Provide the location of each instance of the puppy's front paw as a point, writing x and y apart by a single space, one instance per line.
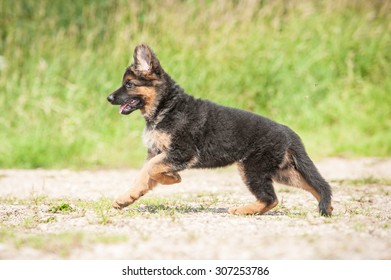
122 203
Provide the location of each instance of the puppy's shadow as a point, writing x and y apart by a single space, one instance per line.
189 209
181 209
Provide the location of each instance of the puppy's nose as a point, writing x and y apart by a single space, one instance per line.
110 98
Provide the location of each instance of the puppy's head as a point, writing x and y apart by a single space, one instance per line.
140 83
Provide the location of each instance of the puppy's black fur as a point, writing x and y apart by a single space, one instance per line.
185 132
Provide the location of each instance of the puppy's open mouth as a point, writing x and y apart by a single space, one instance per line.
129 106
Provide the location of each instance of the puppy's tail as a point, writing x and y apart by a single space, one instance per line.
315 182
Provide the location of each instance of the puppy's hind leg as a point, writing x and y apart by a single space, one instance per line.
259 181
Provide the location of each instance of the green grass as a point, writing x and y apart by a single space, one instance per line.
62 207
364 181
321 67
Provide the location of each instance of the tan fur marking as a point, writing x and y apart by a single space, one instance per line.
256 208
149 94
161 172
295 179
155 139
287 160
288 175
241 171
127 78
192 162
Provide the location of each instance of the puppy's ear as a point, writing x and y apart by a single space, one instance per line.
145 61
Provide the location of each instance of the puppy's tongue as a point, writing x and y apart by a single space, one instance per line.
122 108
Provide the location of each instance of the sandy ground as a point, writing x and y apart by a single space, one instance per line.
359 229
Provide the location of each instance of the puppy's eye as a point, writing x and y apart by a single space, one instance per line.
129 85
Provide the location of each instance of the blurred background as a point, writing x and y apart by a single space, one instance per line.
321 67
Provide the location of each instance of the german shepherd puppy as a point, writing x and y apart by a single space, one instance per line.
184 132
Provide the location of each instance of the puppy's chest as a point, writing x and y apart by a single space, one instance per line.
156 140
